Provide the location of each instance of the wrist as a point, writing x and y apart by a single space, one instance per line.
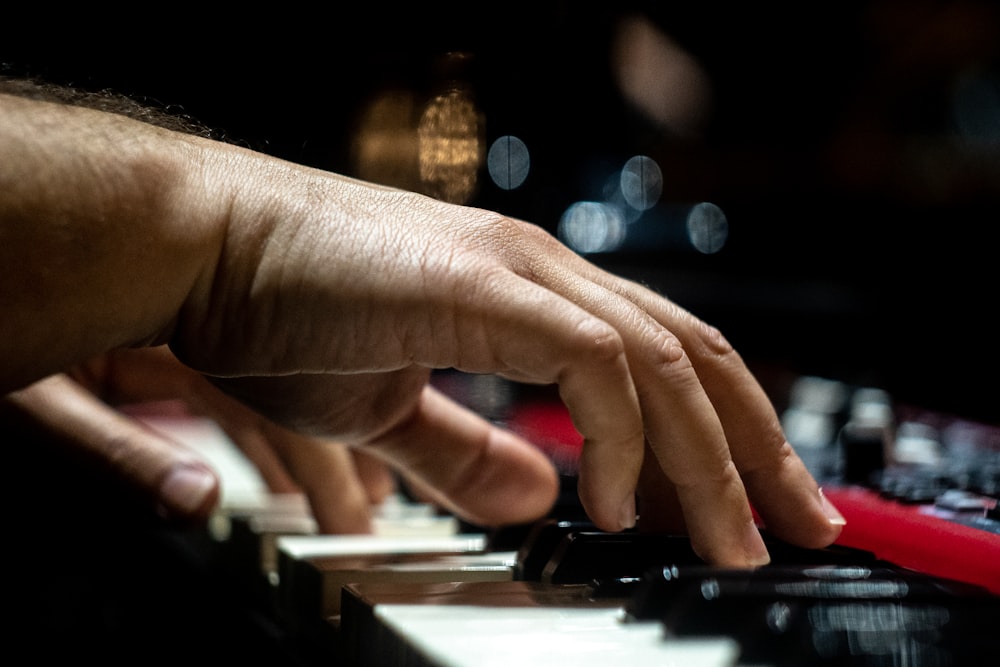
96 252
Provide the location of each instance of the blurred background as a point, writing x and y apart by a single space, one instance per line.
819 180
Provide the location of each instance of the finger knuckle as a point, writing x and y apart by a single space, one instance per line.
600 341
668 354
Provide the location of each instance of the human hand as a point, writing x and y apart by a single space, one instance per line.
349 294
95 410
324 303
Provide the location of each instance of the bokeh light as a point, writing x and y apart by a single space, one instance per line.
707 227
641 182
591 227
450 146
508 162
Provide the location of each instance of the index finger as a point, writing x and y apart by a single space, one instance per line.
777 482
684 432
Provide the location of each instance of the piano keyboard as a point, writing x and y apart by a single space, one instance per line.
481 634
429 591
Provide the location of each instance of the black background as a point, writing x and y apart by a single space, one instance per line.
861 226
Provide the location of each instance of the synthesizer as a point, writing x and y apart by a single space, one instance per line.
913 579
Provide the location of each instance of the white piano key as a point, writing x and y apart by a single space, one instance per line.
312 569
474 636
485 567
300 547
240 482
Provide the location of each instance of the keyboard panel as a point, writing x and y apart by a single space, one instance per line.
918 488
912 580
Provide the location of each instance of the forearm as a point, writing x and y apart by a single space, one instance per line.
104 232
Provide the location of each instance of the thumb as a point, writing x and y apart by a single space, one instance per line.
177 484
480 472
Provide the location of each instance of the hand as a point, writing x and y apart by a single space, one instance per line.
350 294
323 303
79 409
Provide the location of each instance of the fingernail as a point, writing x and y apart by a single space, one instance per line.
186 488
627 513
831 513
756 550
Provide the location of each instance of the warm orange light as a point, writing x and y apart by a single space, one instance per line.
450 146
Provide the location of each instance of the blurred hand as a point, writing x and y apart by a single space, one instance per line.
80 409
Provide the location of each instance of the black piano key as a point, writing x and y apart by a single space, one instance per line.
541 543
824 615
664 589
584 557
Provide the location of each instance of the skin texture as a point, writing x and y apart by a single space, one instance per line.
322 304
